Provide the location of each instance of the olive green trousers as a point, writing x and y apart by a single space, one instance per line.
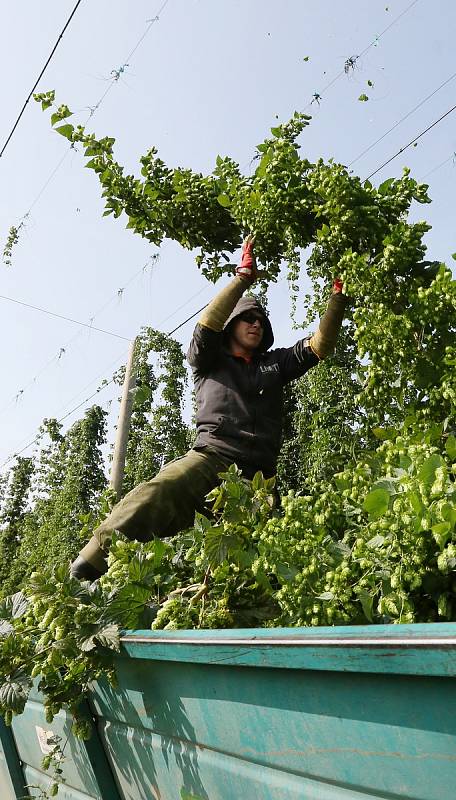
162 506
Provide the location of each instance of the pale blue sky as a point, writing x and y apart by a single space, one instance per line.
210 78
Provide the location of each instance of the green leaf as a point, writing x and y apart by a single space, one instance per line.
140 569
338 550
448 513
159 550
5 628
367 602
415 502
60 115
286 572
323 231
450 447
255 199
441 533
370 83
16 605
127 605
218 543
376 503
306 58
385 186
141 394
385 433
386 483
14 692
427 472
266 159
363 98
224 200
109 637
453 255
66 131
257 481
234 490
326 596
277 132
376 541
105 634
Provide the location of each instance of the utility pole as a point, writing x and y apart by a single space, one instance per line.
123 424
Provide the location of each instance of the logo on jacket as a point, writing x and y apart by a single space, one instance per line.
269 368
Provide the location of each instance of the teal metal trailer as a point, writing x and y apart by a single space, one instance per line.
352 713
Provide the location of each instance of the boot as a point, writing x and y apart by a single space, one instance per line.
84 570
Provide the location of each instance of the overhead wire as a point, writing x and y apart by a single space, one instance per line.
452 158
400 121
373 43
354 59
116 73
64 346
93 110
116 361
412 141
91 396
128 58
114 79
62 316
9 137
20 392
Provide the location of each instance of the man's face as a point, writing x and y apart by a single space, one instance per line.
247 331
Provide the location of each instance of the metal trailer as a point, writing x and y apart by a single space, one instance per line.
340 713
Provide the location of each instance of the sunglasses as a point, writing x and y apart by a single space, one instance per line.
251 317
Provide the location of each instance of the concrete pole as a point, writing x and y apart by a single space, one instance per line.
123 425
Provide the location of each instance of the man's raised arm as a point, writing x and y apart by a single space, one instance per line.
203 347
323 342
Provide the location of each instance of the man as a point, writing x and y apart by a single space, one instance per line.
239 396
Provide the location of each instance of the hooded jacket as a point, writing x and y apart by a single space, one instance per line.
240 403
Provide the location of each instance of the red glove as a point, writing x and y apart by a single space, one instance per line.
337 286
247 268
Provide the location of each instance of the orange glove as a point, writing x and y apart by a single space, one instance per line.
247 268
337 286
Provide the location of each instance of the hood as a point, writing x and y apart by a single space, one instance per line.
251 304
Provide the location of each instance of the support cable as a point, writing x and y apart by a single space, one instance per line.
39 78
363 52
62 350
452 158
61 316
400 121
91 396
113 80
412 141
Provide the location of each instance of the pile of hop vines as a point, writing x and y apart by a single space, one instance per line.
377 544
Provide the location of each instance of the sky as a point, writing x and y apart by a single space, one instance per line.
207 77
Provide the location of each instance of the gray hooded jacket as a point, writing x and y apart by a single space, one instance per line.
240 404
